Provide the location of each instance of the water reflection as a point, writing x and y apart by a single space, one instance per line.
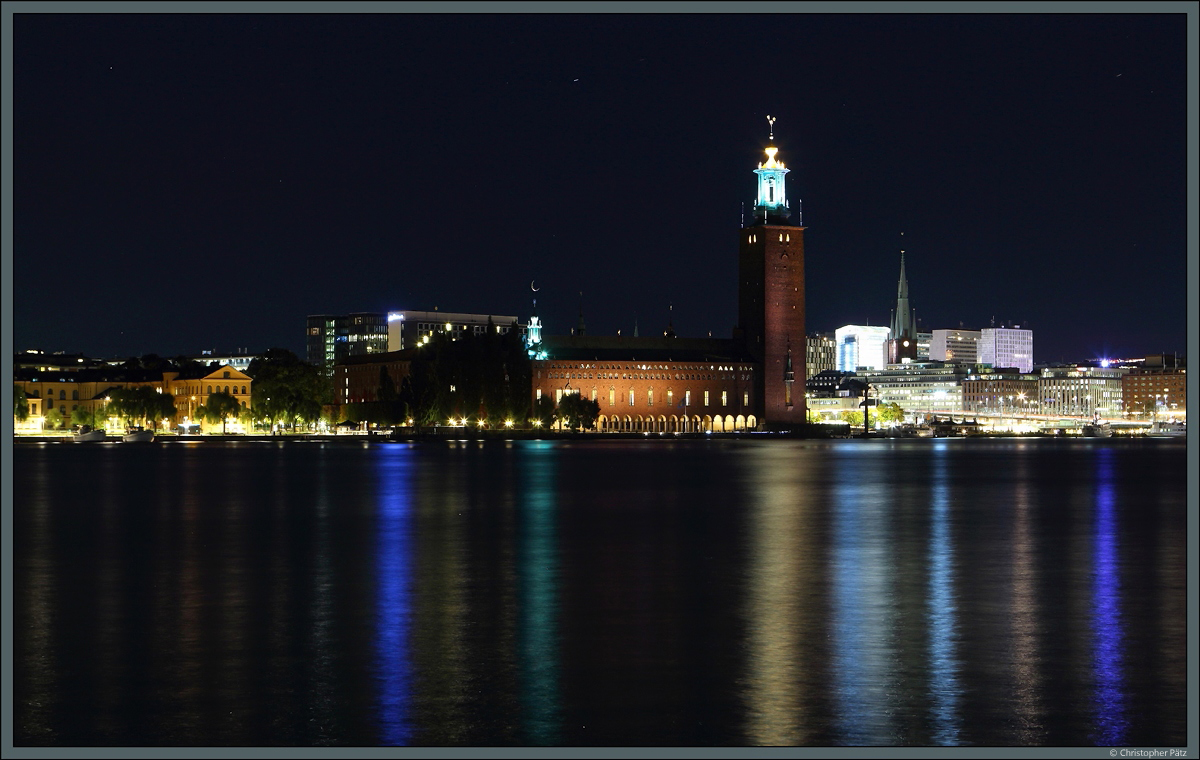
863 675
1025 616
780 609
538 570
393 578
943 629
1107 658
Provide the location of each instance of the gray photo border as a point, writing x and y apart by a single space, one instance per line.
528 6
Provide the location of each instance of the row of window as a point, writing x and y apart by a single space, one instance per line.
647 367
670 398
185 391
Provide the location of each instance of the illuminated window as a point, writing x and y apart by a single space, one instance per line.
724 398
558 395
687 398
670 398
593 394
539 394
650 397
612 396
706 398
631 401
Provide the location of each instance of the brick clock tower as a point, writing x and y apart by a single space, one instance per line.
771 296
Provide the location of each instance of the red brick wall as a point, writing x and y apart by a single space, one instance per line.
771 310
612 382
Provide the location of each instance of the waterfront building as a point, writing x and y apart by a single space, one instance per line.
861 347
960 346
1006 347
333 337
1156 389
653 384
358 379
91 389
1000 392
831 408
820 354
408 329
1082 391
920 388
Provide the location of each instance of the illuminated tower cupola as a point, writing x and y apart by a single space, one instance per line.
772 204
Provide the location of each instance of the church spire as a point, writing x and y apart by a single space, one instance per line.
903 322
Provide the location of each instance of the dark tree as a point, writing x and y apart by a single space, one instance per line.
578 412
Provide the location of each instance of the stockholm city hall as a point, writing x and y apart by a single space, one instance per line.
753 380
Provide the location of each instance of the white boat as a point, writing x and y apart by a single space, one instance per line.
1168 430
138 435
1098 429
87 435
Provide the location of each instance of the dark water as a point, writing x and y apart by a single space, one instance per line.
702 593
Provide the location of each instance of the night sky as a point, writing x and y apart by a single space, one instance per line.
190 182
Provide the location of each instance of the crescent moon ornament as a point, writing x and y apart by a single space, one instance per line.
531 283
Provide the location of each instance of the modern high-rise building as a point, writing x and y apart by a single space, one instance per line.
923 340
333 337
1003 347
860 346
820 355
959 346
408 329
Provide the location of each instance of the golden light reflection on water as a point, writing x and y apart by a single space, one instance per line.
109 582
779 616
440 611
36 639
1026 658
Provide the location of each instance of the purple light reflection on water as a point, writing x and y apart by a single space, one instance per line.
393 601
1112 721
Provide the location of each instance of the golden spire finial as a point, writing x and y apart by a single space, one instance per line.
771 127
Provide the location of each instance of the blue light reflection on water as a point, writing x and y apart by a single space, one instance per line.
393 600
538 570
944 686
1109 700
863 609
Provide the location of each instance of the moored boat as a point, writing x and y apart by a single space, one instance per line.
1097 429
138 435
87 435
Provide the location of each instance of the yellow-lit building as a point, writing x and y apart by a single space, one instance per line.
69 391
190 393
